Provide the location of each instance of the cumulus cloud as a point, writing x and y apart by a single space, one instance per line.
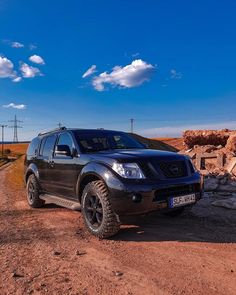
17 79
28 71
90 71
6 68
175 75
15 106
129 76
37 59
17 45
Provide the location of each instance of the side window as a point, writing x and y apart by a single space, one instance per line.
42 146
66 139
47 146
33 147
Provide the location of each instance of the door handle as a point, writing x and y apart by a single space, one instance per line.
51 163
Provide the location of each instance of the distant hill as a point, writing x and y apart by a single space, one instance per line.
154 143
11 142
176 142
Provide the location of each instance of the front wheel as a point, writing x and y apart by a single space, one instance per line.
97 211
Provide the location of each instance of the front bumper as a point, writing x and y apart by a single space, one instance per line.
130 198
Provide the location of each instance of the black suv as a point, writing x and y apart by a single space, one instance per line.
107 174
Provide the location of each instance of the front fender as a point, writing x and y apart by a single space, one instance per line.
99 171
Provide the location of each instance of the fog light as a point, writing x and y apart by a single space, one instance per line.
137 198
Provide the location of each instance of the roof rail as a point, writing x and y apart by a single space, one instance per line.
51 131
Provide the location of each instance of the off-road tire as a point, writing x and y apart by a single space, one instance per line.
110 223
175 213
33 192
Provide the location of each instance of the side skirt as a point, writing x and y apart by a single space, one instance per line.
70 204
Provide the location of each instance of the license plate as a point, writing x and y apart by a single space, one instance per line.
182 200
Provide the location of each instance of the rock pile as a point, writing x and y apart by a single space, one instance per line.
206 137
214 154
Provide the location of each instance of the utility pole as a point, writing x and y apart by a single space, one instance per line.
59 125
3 126
15 127
132 125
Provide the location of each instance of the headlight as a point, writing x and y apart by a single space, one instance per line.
128 170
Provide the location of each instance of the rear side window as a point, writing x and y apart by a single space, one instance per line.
33 147
47 146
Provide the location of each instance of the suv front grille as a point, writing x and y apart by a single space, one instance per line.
146 169
173 169
181 190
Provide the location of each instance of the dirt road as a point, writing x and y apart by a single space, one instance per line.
47 251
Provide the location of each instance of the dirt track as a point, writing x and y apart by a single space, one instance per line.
155 255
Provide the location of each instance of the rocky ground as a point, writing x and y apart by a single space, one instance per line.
47 251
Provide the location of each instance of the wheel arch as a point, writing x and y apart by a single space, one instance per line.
91 172
32 169
83 181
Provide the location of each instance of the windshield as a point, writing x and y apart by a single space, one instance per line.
102 141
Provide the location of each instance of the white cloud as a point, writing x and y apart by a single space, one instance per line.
129 76
28 71
37 59
17 45
175 75
135 54
6 68
90 71
15 106
17 79
32 46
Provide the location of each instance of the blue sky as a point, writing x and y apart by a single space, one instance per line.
170 65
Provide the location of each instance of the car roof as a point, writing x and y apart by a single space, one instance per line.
78 131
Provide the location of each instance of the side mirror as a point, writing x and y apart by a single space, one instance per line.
63 150
146 146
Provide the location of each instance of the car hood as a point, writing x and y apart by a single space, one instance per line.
136 155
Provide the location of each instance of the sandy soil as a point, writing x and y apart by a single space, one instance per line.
47 251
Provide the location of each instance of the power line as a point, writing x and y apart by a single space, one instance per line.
15 127
3 126
132 125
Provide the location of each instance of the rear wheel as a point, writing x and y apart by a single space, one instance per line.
33 192
97 211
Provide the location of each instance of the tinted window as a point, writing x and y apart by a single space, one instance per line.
42 145
65 139
48 147
94 143
33 147
100 141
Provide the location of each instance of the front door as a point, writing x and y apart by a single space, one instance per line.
64 169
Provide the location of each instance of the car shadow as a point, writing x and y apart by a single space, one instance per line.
187 228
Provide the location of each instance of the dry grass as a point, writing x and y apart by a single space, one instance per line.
15 175
16 148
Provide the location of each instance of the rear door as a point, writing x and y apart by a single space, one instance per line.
45 162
